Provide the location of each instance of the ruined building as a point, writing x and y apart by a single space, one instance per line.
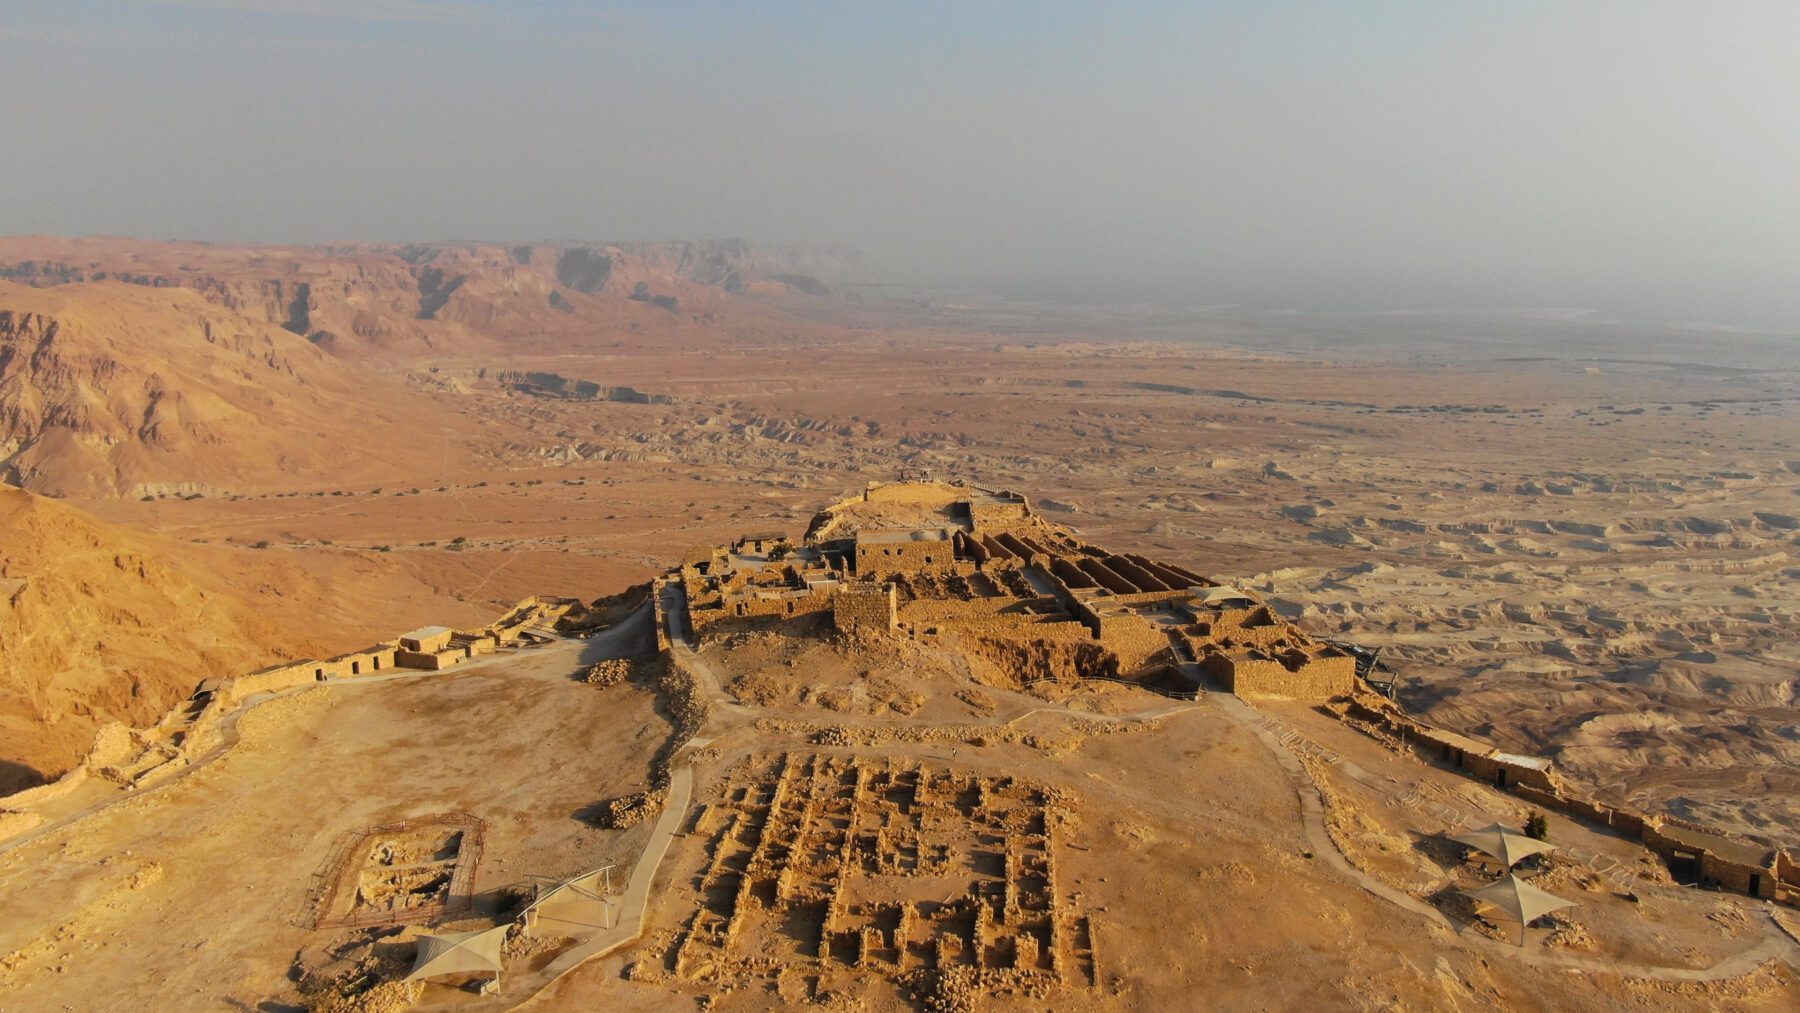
929 560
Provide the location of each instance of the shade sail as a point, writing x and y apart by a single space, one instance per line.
578 903
1504 843
1217 595
459 953
1518 900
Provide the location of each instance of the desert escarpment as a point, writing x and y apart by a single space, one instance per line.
102 625
113 389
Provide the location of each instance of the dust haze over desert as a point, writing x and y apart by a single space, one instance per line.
693 506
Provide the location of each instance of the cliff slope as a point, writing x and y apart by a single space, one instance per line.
110 388
100 624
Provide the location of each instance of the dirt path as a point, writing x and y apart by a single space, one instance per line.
600 644
228 739
1776 945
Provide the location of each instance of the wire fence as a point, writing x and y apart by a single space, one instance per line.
340 871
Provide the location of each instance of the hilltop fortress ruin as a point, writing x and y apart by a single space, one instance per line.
982 571
935 561
937 814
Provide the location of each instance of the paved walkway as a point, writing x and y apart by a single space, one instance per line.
1776 945
634 902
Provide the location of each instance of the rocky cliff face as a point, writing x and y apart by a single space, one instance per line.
108 387
101 625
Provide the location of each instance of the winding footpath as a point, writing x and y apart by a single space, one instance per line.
1777 944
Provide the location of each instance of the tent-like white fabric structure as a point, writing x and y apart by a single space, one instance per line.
1504 843
1220 595
578 903
1518 901
459 953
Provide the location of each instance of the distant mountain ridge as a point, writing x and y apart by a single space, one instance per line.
133 368
393 300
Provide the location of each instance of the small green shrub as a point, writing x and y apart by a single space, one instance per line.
1536 826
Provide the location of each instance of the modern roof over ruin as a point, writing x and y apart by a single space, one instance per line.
917 535
1741 852
1521 760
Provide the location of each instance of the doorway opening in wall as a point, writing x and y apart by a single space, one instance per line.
318 675
1684 866
356 668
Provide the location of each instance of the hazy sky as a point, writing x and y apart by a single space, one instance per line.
1639 157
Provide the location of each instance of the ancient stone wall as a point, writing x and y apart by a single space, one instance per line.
1787 870
856 611
931 610
430 661
658 617
1050 627
793 604
1706 847
1140 644
1755 880
876 559
1320 679
1149 597
270 680
986 513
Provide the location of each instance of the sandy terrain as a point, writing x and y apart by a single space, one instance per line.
200 892
1571 536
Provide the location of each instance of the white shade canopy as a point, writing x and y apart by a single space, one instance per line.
459 953
1518 900
1504 843
579 903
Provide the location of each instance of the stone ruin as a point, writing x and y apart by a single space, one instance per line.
410 871
991 574
820 866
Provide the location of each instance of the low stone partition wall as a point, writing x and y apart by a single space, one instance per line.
926 611
1015 625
